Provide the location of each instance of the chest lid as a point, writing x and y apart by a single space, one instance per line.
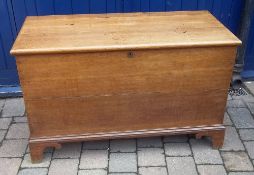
107 32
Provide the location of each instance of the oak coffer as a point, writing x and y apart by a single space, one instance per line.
107 76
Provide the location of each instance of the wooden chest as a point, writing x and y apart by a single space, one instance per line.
88 77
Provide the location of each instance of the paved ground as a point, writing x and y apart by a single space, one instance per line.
177 155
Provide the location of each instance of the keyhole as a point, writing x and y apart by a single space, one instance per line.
130 54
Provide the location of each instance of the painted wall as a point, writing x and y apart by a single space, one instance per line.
248 70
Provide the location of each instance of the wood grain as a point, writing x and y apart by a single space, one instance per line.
105 32
109 73
62 116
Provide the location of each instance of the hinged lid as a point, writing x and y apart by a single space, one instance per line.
106 32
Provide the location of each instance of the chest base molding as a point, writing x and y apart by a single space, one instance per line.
38 145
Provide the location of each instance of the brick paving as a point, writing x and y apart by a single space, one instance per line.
177 155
